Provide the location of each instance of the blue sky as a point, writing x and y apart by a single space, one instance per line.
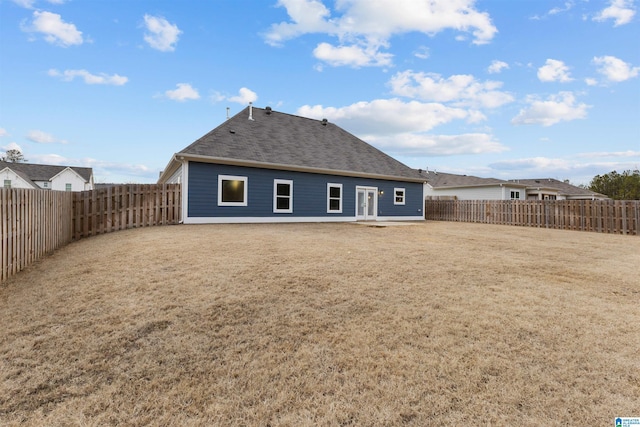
495 88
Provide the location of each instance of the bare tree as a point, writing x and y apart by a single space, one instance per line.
13 156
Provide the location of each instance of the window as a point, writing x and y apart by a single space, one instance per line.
67 187
45 185
282 196
7 183
515 195
398 196
334 198
232 190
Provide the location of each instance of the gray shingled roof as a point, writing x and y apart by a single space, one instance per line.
36 172
442 180
561 186
283 139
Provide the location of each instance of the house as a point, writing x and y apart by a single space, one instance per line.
441 185
553 189
47 177
266 166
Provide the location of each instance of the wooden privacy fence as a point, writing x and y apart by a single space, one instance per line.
603 216
125 206
36 222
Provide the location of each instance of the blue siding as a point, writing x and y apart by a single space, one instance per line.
309 193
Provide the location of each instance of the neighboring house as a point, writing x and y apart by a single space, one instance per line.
47 177
553 189
266 166
463 187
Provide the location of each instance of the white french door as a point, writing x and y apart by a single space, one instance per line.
366 203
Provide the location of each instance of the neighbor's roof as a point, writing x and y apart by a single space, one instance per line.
286 140
36 172
442 180
561 186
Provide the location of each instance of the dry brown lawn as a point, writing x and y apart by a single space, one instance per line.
325 324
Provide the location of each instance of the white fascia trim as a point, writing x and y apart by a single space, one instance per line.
185 189
400 218
285 167
258 220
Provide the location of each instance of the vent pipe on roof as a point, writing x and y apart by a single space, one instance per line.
268 110
324 122
228 112
251 111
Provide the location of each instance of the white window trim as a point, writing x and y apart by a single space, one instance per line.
329 185
275 195
232 178
404 195
515 192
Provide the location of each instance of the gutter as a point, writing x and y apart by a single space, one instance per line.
277 166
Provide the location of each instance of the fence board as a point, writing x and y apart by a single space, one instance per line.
36 222
603 216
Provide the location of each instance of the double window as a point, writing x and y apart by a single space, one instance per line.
282 196
232 190
398 196
515 195
334 198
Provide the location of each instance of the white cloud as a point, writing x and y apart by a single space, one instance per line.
3 132
308 16
41 137
556 109
354 56
55 30
12 146
422 52
420 145
386 116
554 71
365 27
614 69
601 154
103 171
183 93
27 4
91 79
497 67
401 127
244 96
580 171
621 11
161 34
461 89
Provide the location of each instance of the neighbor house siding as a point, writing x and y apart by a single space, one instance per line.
309 194
65 177
494 192
16 180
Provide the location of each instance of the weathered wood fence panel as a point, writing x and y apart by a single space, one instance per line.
602 216
33 223
36 222
126 206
